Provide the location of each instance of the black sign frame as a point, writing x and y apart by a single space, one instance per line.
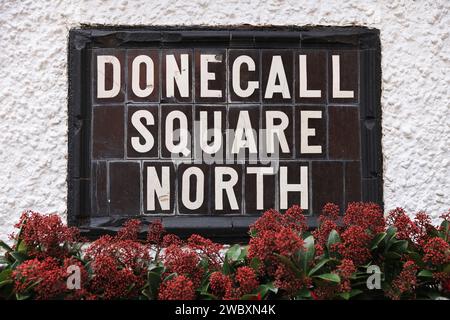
219 228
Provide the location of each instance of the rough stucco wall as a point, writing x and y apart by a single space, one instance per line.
33 90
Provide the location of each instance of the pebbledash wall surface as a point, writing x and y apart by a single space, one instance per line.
34 87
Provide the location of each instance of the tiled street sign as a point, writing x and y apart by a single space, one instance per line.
206 128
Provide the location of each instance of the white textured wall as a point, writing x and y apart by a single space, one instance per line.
33 86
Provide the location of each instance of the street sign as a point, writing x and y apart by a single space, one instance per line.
206 128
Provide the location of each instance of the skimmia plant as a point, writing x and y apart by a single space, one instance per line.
360 255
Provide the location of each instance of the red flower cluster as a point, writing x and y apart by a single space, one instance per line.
171 239
272 220
221 285
286 280
46 235
445 217
45 277
129 231
345 270
277 233
437 251
288 241
183 261
405 282
368 216
423 222
324 291
355 245
178 288
112 282
446 285
262 246
330 212
406 228
207 249
119 263
122 266
191 259
322 233
83 292
247 279
294 219
327 223
155 233
127 253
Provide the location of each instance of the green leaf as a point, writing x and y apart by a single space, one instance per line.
130 287
433 295
244 252
447 268
333 238
253 233
445 226
391 255
376 241
351 294
355 292
306 255
288 262
318 266
255 263
22 296
5 274
207 296
146 294
234 253
205 285
425 274
226 268
170 276
344 295
5 246
265 288
303 293
18 256
416 257
153 280
390 237
204 263
390 232
332 277
157 268
22 247
6 282
359 275
399 246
